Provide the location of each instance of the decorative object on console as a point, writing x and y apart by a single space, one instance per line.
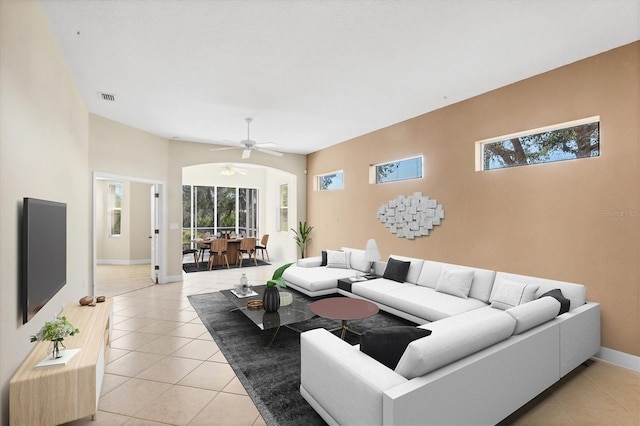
411 216
55 331
371 252
271 297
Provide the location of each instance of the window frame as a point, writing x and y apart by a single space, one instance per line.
112 209
283 207
480 145
373 170
318 187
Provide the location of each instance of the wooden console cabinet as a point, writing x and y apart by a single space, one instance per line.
55 395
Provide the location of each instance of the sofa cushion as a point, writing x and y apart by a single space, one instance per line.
414 268
480 286
507 294
338 259
439 349
556 293
421 302
534 313
576 293
357 260
386 345
315 279
396 270
324 258
454 281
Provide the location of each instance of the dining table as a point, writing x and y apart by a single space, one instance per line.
233 246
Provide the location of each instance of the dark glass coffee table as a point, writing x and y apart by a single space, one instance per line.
287 315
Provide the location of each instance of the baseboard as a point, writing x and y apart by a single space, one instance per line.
123 262
171 279
621 359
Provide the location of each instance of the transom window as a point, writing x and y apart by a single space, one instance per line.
567 141
330 181
408 168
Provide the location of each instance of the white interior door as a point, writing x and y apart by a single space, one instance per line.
154 234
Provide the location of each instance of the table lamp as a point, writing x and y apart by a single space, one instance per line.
371 253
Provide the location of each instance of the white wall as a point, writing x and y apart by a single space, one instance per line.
43 154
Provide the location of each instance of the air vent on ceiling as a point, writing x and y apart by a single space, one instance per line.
107 96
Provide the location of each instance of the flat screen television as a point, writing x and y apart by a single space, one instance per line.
44 253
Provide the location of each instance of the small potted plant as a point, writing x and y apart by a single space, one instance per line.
55 331
271 297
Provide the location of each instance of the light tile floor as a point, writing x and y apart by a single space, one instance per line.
164 368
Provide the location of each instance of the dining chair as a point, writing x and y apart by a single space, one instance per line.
263 247
188 250
248 247
218 248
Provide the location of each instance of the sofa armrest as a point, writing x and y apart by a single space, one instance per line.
579 336
347 383
310 262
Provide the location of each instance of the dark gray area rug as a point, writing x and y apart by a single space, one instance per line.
271 375
203 266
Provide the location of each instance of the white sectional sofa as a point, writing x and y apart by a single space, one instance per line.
486 356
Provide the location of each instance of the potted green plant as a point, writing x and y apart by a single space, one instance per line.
271 297
302 236
55 331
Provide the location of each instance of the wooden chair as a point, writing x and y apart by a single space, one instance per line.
218 248
187 250
263 247
248 247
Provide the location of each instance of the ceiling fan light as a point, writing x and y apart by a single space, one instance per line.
227 171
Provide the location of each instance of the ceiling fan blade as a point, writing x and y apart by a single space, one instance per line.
239 170
270 152
246 154
223 149
266 145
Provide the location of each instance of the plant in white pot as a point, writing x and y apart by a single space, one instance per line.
271 297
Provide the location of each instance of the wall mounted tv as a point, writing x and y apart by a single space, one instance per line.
44 253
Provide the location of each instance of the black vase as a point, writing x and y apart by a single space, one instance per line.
271 299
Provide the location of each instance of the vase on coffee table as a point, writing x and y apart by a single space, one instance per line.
271 299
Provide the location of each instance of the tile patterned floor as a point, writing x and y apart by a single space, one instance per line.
164 368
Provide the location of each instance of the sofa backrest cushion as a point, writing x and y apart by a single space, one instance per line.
507 294
396 270
386 345
357 260
480 286
534 313
414 268
576 293
455 281
439 349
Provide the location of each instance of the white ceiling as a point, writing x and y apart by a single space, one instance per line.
313 73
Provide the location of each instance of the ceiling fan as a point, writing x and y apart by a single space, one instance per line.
230 170
248 145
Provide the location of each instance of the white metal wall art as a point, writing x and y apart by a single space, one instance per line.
411 216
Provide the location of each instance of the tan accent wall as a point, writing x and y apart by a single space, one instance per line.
557 220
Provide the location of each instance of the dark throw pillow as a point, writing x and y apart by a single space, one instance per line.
324 258
556 293
396 270
386 345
